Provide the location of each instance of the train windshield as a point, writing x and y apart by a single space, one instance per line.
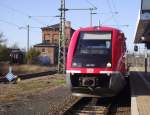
93 49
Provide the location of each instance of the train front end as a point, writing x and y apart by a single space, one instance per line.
94 63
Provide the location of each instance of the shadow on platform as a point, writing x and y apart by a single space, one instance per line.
140 83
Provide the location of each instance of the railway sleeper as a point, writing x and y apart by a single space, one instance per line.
89 112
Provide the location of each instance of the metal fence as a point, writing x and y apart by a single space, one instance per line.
137 60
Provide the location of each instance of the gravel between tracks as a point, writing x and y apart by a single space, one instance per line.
49 101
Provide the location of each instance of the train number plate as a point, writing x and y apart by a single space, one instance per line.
90 70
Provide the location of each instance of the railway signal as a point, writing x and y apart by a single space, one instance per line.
10 75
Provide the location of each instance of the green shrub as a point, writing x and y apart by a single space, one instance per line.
32 56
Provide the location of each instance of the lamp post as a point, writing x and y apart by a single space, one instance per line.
146 55
146 58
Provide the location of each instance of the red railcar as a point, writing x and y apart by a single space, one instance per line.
96 62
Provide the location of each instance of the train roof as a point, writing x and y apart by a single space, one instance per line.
97 28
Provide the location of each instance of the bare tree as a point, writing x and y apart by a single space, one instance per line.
4 51
2 39
15 46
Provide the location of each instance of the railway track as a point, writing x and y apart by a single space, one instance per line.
118 105
32 75
99 106
90 106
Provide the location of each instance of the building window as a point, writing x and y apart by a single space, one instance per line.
55 41
47 41
43 49
52 40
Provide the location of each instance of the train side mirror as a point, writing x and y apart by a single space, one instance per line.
135 48
148 46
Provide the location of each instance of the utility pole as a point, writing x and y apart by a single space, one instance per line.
28 29
62 35
91 15
146 55
62 40
91 12
28 37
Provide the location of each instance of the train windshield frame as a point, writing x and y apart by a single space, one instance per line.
93 49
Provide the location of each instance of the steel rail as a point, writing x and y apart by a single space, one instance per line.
94 106
30 75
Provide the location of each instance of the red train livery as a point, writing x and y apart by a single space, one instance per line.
96 62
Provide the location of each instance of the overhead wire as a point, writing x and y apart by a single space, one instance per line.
13 9
114 6
20 12
121 26
10 23
106 13
111 10
106 20
20 27
116 10
91 4
51 17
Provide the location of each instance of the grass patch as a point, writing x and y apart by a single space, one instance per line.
58 82
11 92
23 69
39 84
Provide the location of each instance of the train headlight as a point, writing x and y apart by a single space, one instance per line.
108 64
74 64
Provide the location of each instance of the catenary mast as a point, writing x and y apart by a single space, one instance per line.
62 40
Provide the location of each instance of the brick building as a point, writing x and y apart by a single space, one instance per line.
50 40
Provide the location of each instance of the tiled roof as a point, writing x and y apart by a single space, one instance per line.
46 45
55 26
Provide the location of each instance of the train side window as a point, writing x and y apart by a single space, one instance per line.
108 44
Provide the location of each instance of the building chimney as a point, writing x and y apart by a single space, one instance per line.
68 24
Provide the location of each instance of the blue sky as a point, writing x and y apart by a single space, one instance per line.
14 14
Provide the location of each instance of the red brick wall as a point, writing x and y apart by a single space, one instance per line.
52 35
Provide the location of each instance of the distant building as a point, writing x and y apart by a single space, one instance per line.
48 53
17 56
50 41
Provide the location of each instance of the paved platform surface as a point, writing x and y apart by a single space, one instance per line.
140 92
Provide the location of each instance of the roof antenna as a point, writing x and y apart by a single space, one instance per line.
99 23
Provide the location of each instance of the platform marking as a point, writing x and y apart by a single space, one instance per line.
134 107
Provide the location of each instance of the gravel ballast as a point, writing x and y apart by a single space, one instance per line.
47 95
50 102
